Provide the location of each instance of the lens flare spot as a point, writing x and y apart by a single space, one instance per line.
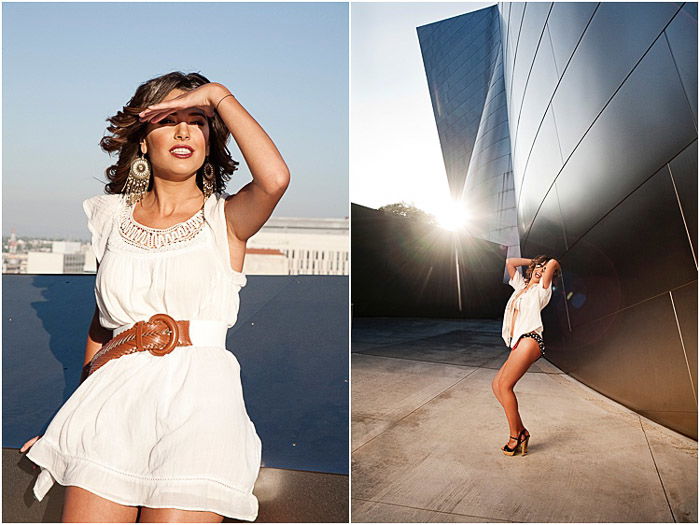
453 216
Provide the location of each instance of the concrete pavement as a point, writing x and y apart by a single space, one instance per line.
426 433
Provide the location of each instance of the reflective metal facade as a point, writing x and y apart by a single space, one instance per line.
602 119
464 66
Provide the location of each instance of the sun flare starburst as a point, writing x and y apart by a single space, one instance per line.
453 216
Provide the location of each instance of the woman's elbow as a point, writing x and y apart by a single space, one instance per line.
283 180
277 183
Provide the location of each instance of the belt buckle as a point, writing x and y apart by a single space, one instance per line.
174 334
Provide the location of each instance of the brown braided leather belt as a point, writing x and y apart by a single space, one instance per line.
159 335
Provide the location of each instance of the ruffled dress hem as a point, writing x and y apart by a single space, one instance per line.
135 490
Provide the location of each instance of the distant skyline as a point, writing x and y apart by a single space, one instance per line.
69 66
395 150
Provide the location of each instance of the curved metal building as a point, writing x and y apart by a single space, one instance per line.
601 112
464 63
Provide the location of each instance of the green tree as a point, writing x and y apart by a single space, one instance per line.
403 209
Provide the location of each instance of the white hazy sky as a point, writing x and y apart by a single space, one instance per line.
394 147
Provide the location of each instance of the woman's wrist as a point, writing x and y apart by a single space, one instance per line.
217 94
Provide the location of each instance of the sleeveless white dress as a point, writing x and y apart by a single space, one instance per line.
166 431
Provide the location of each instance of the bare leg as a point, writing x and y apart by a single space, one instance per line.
82 506
149 515
496 382
520 359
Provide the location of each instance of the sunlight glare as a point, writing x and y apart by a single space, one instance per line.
453 216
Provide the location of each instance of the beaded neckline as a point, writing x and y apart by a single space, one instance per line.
148 238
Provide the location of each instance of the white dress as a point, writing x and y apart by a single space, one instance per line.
166 431
529 305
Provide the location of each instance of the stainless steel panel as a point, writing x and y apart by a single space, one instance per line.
517 11
684 170
460 56
637 251
566 24
540 89
504 15
607 53
542 169
635 357
682 34
557 333
534 20
619 152
683 421
685 301
547 233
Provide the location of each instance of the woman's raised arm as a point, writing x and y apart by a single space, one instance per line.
550 268
248 209
513 263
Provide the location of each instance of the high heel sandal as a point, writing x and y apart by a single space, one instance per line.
521 444
524 441
511 451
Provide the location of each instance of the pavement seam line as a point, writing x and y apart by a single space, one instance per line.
435 511
663 487
421 360
449 364
395 423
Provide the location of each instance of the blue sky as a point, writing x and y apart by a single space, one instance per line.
68 66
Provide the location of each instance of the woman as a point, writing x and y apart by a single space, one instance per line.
163 435
522 332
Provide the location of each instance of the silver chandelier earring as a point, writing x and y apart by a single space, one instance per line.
208 179
138 179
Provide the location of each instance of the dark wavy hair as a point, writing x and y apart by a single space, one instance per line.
126 132
540 259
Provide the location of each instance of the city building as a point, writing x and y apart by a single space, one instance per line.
50 262
14 262
265 261
66 246
592 107
311 246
